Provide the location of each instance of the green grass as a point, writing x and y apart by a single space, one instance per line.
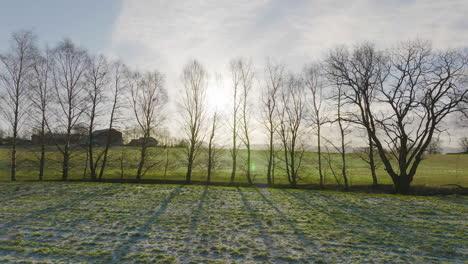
62 222
435 170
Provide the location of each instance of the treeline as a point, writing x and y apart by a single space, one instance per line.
397 97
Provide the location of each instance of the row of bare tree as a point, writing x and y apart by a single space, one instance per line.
398 97
57 90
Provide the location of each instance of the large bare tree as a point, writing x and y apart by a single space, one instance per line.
70 64
274 81
97 80
401 98
213 152
314 82
41 100
343 128
117 72
236 104
290 129
147 99
194 79
242 70
15 75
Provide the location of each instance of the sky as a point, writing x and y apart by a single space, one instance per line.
164 35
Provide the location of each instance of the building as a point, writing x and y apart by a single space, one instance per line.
19 141
59 139
100 137
152 142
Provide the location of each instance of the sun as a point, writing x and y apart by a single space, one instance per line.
218 94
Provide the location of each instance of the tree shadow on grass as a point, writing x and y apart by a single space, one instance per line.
194 221
362 222
267 240
120 251
75 200
300 235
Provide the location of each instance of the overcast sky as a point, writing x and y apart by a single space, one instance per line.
164 34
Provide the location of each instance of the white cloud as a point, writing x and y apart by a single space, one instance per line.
165 34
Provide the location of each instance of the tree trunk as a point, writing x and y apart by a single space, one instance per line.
372 162
142 160
188 175
42 163
319 153
234 163
13 150
270 159
166 164
42 159
13 161
92 168
249 163
402 184
104 163
210 161
65 163
191 155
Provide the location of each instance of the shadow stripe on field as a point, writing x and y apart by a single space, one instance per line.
48 210
120 251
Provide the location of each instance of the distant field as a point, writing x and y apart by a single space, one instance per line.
435 170
57 222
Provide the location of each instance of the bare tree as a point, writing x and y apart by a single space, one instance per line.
364 154
70 64
147 100
41 97
434 146
415 89
97 79
194 80
290 129
274 81
315 84
15 74
244 75
118 89
464 144
236 104
343 128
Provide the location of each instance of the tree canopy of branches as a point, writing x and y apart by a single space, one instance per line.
236 104
118 89
401 97
317 115
41 100
274 81
97 80
147 99
194 80
290 129
15 77
243 74
70 64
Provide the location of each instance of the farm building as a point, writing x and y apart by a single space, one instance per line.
19 141
100 137
60 139
152 142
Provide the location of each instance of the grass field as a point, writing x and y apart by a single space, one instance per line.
435 170
57 222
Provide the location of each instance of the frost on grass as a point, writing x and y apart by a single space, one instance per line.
116 223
